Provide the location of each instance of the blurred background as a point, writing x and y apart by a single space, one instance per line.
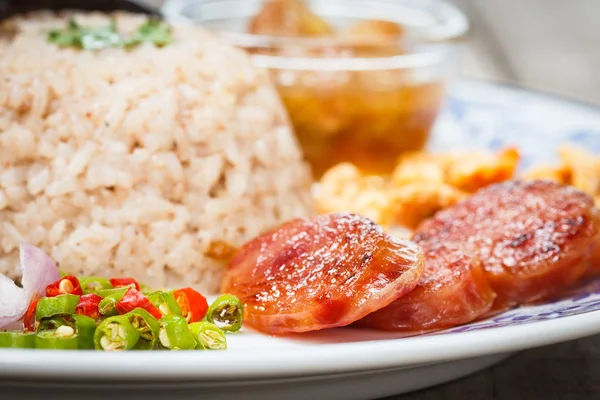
549 45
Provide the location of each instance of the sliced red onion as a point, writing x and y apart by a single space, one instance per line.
38 272
17 326
13 302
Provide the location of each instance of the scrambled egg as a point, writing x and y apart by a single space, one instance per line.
345 188
421 184
578 168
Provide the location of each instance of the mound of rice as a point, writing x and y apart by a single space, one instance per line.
153 162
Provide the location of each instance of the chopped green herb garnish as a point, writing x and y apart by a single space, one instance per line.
153 31
86 38
74 35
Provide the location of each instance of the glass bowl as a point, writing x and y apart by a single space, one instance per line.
362 99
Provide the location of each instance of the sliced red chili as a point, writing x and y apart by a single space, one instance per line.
29 318
122 282
135 299
193 305
66 285
88 305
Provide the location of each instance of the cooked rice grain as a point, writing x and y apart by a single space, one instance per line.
140 162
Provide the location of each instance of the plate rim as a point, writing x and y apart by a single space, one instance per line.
300 361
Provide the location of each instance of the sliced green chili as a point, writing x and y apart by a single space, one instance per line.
107 292
157 320
208 336
107 306
85 327
64 304
51 323
116 334
175 333
165 302
63 338
147 326
146 290
17 340
94 284
226 312
73 332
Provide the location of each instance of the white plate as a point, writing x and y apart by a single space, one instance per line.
350 363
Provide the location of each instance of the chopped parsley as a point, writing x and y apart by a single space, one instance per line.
153 31
74 35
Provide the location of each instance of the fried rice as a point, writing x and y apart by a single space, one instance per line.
152 162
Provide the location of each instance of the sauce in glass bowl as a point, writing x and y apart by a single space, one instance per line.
362 123
363 80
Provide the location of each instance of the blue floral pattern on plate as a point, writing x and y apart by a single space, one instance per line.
479 116
583 300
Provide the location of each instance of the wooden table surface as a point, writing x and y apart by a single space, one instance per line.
552 46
